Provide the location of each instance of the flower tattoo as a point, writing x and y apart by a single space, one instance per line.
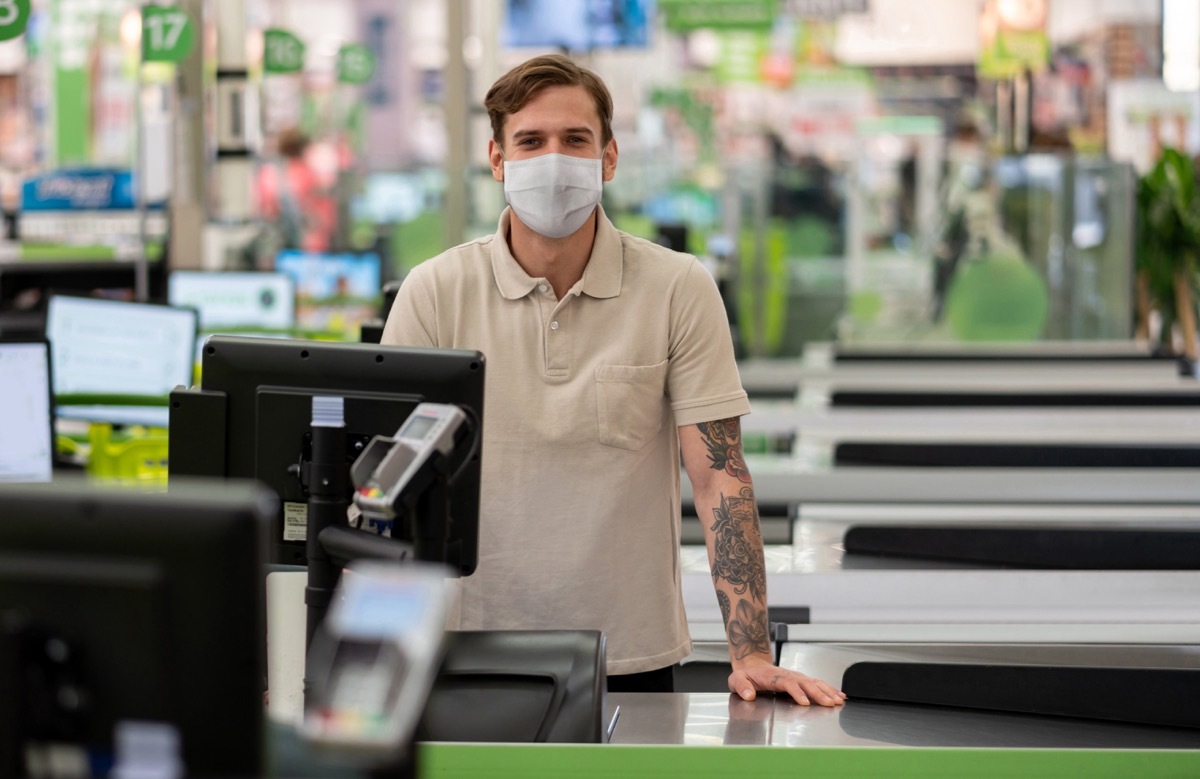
724 441
748 631
737 556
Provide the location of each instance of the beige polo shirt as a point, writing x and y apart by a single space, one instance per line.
579 524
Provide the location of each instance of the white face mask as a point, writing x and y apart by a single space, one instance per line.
553 194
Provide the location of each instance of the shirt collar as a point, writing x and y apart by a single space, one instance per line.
601 277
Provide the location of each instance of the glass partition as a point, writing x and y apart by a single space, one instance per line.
1034 247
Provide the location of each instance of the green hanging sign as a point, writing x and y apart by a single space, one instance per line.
14 15
355 64
686 15
168 35
283 52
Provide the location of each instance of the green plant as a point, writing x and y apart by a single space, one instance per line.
1168 239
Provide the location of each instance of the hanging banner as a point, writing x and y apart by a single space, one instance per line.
827 9
1013 38
283 52
686 15
14 15
72 23
355 64
167 34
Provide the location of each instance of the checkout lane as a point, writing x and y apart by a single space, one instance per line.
1078 614
777 379
868 606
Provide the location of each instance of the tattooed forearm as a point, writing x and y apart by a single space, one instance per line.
736 543
737 546
723 602
724 441
748 631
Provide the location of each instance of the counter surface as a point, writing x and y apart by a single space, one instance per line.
719 718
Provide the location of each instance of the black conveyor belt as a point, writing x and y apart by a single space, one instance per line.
1015 455
1154 696
1085 548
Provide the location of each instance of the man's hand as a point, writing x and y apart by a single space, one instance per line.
748 681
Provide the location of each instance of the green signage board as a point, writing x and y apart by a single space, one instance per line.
74 23
283 52
1012 52
684 15
168 35
14 15
355 64
742 55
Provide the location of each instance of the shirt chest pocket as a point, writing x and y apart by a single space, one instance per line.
629 403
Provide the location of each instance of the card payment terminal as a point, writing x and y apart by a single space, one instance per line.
388 466
373 661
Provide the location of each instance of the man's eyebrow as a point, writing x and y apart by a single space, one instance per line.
569 130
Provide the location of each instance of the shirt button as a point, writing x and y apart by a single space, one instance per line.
554 325
542 287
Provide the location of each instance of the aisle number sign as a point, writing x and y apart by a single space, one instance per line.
283 52
355 64
14 15
167 34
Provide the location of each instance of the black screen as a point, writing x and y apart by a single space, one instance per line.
251 418
157 597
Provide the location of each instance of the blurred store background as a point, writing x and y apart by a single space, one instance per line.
860 171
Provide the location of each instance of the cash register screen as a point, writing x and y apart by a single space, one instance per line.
229 299
116 347
26 412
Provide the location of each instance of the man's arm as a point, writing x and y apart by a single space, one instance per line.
725 503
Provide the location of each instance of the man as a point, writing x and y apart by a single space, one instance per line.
608 357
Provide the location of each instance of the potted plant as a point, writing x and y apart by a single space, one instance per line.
1168 240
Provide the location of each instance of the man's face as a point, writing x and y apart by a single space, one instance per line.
557 120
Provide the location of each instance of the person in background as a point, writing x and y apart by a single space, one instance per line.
292 195
608 357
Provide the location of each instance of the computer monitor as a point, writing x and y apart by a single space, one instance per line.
26 411
140 606
249 300
335 293
121 351
251 417
578 25
389 197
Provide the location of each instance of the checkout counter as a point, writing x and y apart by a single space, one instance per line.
1060 405
1133 635
839 610
774 379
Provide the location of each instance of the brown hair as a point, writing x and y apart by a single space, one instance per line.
292 143
516 88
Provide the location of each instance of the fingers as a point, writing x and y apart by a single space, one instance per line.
742 685
804 690
819 692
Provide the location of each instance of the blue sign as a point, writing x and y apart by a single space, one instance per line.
83 189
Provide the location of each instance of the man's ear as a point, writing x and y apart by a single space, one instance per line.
496 159
610 160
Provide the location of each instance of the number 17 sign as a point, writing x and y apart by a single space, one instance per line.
167 34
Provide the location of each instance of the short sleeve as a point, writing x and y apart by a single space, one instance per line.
412 320
703 381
